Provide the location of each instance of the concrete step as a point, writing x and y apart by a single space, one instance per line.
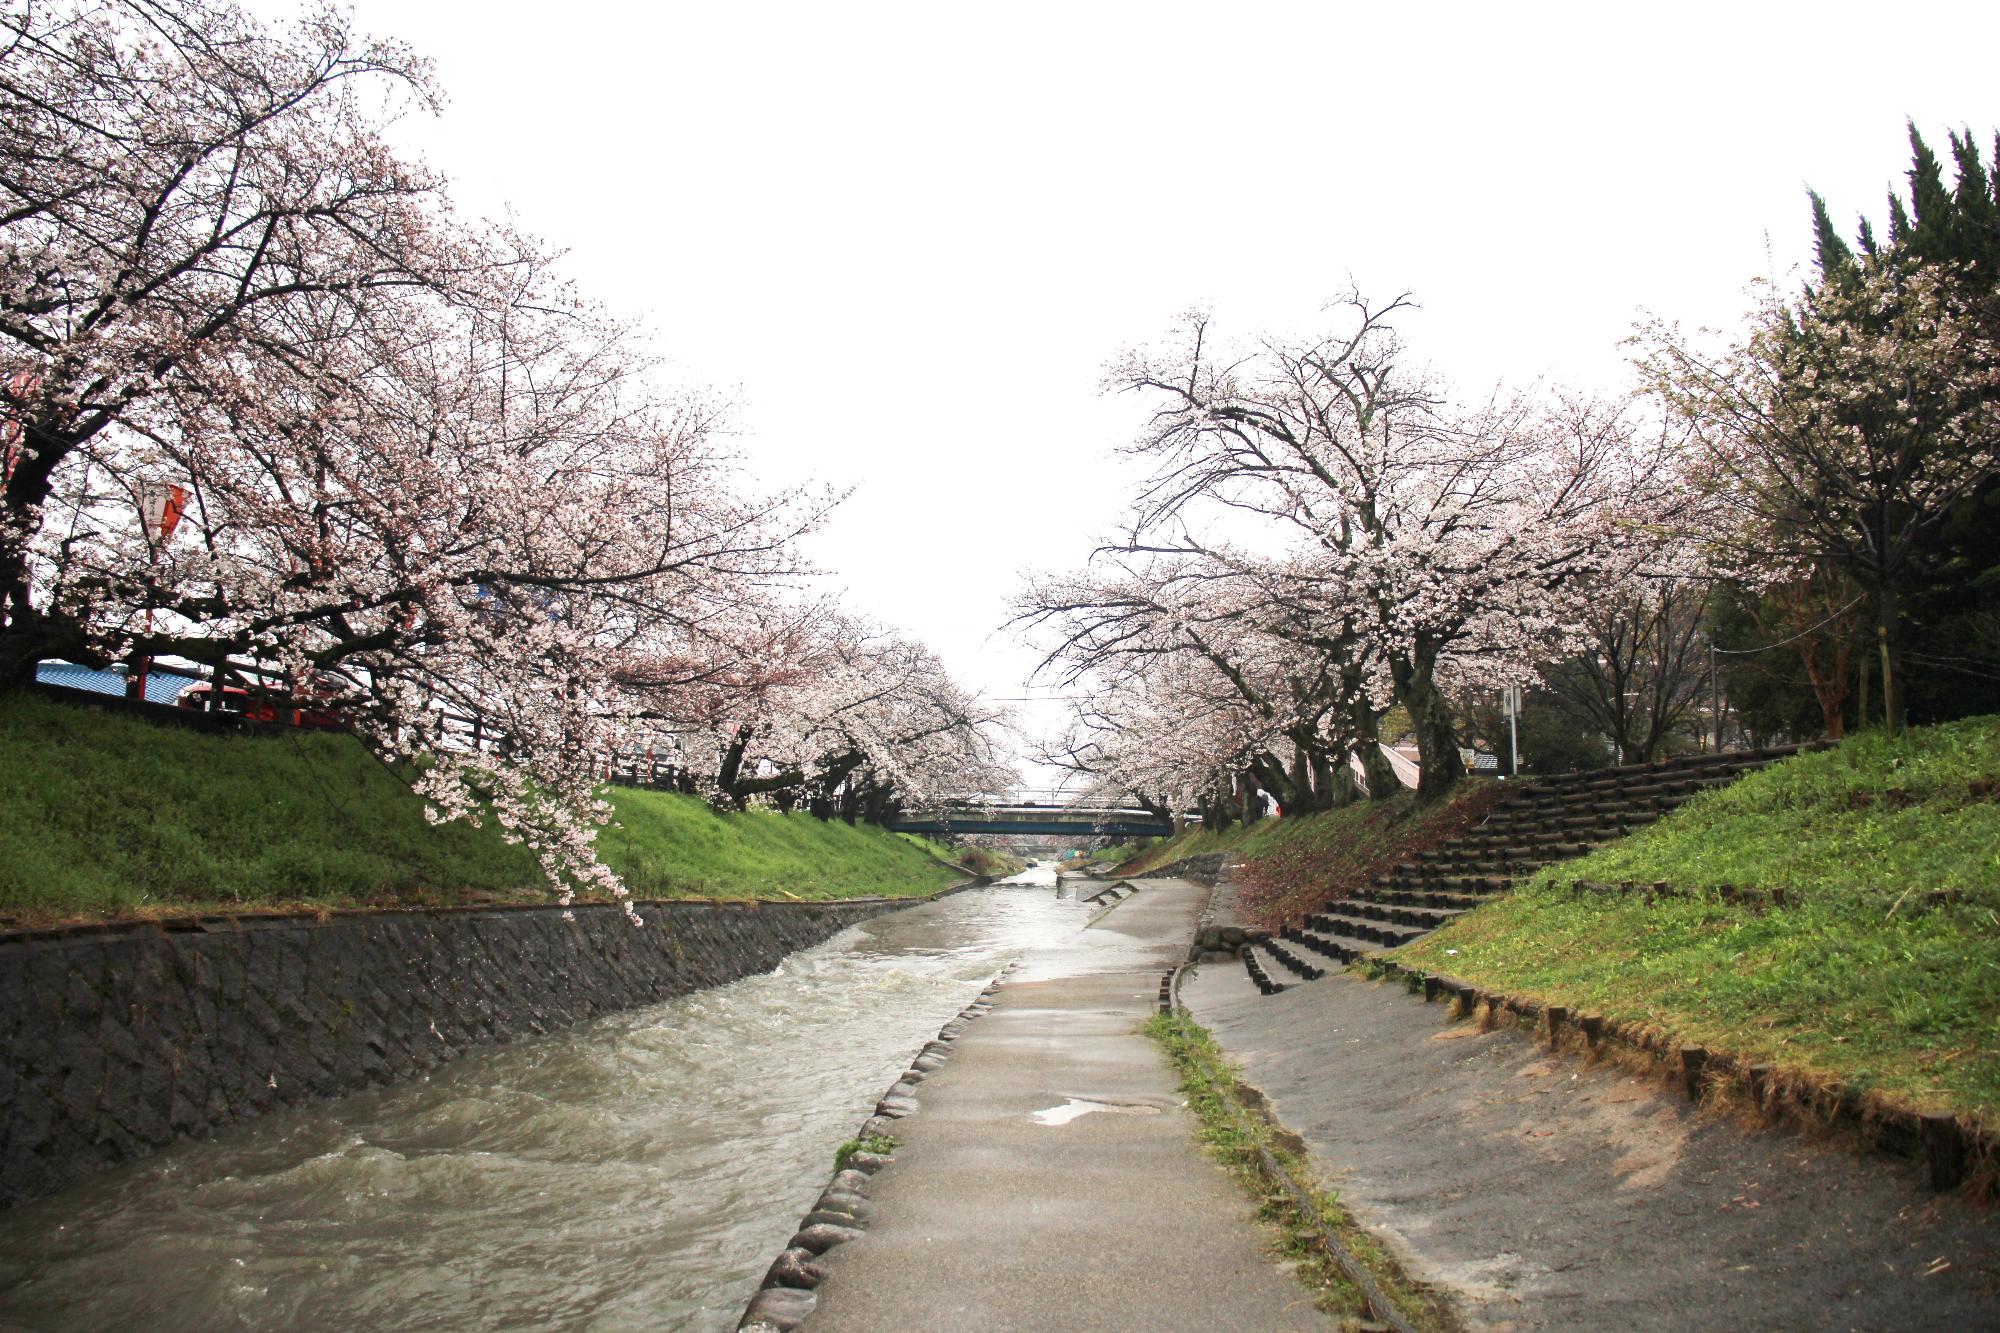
1443 882
1329 947
1542 823
1426 898
1296 965
1507 851
1668 785
1258 975
1728 764
1368 932
1511 862
1501 842
1420 918
1483 868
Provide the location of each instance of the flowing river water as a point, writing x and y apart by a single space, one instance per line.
634 1172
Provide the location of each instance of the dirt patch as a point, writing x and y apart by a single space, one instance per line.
1278 886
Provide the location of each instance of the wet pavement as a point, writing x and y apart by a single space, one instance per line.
1051 1178
1554 1196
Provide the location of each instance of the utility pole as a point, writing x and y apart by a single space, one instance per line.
1715 692
1512 696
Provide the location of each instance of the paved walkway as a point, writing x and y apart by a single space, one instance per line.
1554 1197
1099 1213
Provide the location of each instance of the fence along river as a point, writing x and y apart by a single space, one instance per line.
635 1172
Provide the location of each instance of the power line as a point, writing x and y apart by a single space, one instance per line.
1738 652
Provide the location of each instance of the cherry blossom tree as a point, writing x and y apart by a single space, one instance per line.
1172 737
174 181
424 478
1455 537
864 720
1255 643
1642 667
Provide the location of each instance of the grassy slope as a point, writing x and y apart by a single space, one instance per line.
668 845
1292 866
103 815
1862 978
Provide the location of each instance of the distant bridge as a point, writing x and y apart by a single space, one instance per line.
1076 821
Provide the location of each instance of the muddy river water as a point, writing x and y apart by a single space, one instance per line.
635 1172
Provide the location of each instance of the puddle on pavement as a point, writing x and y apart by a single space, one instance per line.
1076 1106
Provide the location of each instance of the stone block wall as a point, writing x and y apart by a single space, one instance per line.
122 1040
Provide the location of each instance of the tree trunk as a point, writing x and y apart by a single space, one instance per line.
1437 739
732 766
1215 815
1328 791
1888 642
1375 766
1251 798
880 800
1305 797
1861 671
24 632
1268 774
1342 789
1829 687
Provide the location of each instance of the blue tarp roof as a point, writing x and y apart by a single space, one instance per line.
162 686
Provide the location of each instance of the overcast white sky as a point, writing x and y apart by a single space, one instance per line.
907 237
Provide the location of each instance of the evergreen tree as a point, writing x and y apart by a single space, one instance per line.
1953 606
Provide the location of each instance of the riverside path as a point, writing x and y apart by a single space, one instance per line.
1051 1178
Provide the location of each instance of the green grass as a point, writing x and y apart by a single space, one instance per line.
103 815
879 1144
1237 1133
1869 974
1105 858
668 845
1196 841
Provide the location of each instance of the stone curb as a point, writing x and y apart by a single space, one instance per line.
1273 1174
1203 869
1952 1149
788 1295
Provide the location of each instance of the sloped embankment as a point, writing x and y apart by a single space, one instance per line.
1287 867
104 815
1835 916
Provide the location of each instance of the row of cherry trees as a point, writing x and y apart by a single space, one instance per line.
1320 533
414 469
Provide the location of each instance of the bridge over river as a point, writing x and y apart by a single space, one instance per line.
1031 817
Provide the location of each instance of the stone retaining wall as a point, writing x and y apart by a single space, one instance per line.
119 1041
1203 869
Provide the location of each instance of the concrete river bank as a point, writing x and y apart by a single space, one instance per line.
636 1172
